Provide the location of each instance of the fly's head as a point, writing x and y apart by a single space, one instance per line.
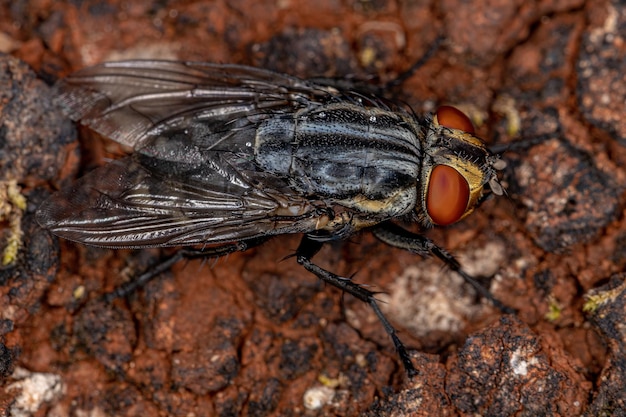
458 170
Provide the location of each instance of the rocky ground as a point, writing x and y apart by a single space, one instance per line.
253 334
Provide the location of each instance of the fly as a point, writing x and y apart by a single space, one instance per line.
227 156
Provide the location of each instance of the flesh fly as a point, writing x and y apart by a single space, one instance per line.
226 156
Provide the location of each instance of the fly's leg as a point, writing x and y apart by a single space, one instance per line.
432 48
398 237
520 145
307 249
370 85
185 253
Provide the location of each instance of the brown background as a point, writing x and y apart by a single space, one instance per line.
250 334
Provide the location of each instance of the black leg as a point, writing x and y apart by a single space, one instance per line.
307 249
434 47
398 237
185 253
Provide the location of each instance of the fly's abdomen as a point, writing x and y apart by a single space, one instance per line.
341 151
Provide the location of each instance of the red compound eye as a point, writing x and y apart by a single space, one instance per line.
453 118
447 195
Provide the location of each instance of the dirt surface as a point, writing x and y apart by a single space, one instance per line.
255 335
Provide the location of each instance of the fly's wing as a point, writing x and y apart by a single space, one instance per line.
191 178
134 101
122 204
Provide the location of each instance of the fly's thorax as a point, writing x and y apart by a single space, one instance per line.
458 171
366 158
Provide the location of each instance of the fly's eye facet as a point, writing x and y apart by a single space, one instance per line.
447 195
453 118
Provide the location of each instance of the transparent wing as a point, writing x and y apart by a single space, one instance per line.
191 178
134 101
122 204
